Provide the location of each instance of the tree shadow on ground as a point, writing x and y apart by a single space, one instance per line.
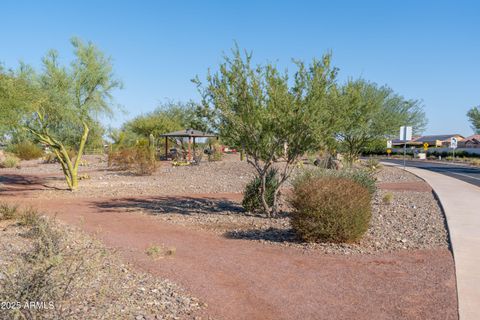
20 183
174 205
270 234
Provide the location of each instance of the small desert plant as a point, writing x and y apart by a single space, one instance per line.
330 209
29 218
372 164
155 251
145 163
252 201
26 150
215 153
10 162
387 198
8 212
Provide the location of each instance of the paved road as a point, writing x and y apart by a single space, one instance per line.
464 173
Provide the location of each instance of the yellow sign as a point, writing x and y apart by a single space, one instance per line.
425 146
389 151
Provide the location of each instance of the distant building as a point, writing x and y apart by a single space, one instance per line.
440 140
472 141
410 143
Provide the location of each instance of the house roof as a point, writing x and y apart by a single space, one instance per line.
188 133
474 137
441 137
410 142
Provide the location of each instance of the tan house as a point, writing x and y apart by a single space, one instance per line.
440 140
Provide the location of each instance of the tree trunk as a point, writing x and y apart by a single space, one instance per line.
263 188
74 169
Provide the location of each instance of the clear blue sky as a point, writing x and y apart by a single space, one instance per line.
427 50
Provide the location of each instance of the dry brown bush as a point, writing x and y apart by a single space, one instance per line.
136 159
330 209
50 273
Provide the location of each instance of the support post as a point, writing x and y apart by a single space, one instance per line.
189 148
194 147
166 148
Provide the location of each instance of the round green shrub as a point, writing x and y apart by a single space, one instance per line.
252 201
330 209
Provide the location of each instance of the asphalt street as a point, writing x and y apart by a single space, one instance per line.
465 173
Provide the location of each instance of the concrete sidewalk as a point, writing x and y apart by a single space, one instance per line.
461 203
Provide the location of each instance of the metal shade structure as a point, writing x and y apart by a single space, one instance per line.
191 134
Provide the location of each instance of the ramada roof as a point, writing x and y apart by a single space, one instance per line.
188 133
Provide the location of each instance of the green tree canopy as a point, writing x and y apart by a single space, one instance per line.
61 103
258 110
474 118
364 112
167 117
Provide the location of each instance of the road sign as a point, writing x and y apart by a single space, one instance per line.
405 133
453 143
425 146
389 144
389 151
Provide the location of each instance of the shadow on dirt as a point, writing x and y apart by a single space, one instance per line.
270 234
20 183
175 205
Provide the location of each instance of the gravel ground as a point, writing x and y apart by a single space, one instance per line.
412 220
229 175
109 290
392 174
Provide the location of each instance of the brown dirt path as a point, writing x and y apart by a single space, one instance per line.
241 279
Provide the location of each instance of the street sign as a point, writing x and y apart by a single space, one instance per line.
425 146
405 133
453 143
389 151
389 144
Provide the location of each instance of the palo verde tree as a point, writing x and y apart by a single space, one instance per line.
256 109
365 113
64 97
474 118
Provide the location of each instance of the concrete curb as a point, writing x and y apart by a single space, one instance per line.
460 202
